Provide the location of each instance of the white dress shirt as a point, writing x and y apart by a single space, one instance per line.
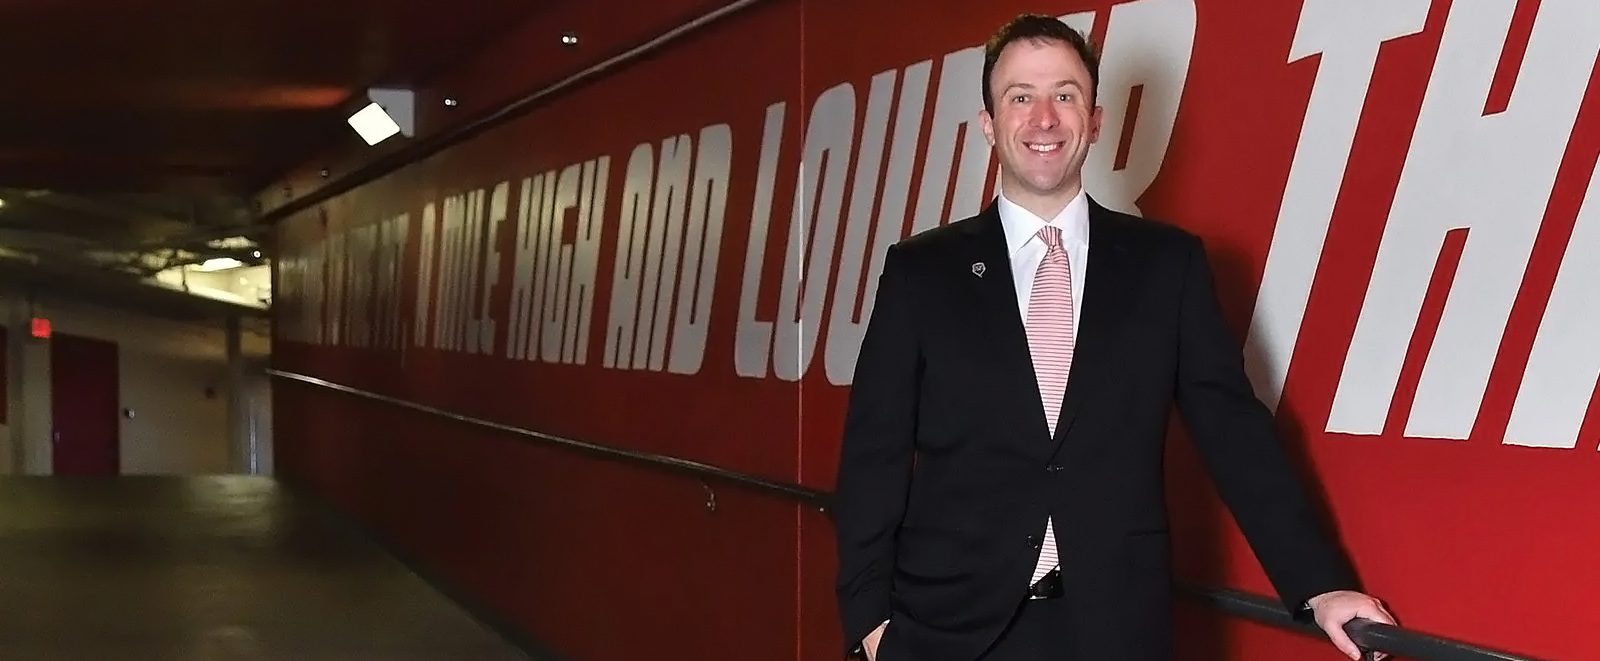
1027 251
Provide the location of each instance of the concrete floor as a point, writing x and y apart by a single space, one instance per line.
208 568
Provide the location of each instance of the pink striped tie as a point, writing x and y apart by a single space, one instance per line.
1049 327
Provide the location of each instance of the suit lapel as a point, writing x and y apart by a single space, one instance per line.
1002 321
1109 276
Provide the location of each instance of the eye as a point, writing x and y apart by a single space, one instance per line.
1020 98
1064 97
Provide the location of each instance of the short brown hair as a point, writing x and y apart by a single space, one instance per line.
1035 27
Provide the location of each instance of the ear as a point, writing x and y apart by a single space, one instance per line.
987 122
1094 124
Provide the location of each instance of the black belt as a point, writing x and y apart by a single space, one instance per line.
1048 587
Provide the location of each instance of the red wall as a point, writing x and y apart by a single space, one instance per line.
1461 500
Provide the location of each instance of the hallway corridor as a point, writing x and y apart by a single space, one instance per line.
209 568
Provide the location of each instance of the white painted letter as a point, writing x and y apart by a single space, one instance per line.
1565 363
819 194
701 247
586 259
1491 175
621 324
844 329
1347 35
752 347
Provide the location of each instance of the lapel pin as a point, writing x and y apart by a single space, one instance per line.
978 268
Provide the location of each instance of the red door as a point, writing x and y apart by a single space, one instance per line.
84 401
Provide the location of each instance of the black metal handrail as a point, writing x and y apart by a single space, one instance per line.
1369 635
818 499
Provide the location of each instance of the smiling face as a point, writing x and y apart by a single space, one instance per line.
1043 122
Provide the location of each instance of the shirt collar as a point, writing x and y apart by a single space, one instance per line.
1022 225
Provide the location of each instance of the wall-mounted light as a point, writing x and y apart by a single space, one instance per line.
390 112
451 101
569 39
373 124
219 264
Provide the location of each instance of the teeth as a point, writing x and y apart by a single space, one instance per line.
1045 148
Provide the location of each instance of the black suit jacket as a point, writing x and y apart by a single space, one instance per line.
947 470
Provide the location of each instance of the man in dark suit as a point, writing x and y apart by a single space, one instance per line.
1000 490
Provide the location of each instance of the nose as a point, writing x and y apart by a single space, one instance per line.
1045 116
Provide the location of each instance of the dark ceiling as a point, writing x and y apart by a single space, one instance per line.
134 132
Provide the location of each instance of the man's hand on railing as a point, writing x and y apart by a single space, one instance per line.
1333 609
